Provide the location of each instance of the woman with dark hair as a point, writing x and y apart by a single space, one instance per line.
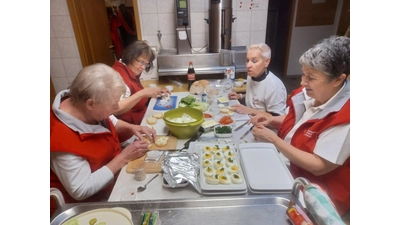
136 58
315 133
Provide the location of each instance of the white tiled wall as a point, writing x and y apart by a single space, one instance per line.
249 27
65 63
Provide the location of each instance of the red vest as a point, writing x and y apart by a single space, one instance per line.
337 182
97 148
136 114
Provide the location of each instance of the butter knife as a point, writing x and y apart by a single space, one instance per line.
237 128
247 132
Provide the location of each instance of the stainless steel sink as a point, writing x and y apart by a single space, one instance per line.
250 209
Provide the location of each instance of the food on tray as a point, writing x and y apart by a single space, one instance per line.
161 141
207 115
233 169
208 171
223 130
224 110
151 120
226 148
212 180
206 163
223 179
218 155
207 156
207 148
226 120
158 115
236 178
215 148
218 164
199 86
229 154
220 171
230 161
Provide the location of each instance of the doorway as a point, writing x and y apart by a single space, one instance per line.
277 36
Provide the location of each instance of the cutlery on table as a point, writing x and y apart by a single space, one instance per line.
143 187
237 128
247 132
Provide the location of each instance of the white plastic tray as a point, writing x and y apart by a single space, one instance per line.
117 215
264 170
197 147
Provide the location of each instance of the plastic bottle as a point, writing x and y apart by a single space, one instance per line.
228 84
191 75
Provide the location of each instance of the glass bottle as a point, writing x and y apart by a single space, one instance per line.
191 75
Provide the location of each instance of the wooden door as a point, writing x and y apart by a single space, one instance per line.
92 31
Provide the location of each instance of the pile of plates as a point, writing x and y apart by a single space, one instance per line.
227 155
264 170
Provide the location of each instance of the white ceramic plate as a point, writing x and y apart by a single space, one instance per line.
117 215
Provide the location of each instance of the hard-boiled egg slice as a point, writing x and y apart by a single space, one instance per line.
218 155
206 163
224 179
212 180
233 169
236 178
215 148
229 154
208 171
207 156
229 161
207 149
226 148
220 171
218 164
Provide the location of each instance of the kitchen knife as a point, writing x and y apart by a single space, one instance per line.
237 128
194 138
247 132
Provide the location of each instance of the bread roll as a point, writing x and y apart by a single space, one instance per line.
151 120
158 115
224 110
161 141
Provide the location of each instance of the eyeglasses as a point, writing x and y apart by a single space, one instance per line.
146 65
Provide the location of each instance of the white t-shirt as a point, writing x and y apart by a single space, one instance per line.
267 95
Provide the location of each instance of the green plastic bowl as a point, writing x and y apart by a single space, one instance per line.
184 130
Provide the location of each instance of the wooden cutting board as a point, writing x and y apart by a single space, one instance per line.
151 167
171 144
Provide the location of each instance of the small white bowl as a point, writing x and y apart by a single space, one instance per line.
170 88
222 135
239 83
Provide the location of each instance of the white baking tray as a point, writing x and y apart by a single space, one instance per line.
263 168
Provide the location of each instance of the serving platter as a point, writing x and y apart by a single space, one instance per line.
199 148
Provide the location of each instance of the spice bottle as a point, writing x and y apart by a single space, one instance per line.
191 75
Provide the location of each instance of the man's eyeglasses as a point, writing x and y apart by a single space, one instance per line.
147 65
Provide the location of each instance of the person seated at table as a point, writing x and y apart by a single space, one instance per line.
85 152
265 92
315 133
136 58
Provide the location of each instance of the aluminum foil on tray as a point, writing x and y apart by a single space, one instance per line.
181 167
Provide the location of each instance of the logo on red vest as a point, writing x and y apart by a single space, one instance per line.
309 133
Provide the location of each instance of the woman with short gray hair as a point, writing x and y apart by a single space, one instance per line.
85 150
315 134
